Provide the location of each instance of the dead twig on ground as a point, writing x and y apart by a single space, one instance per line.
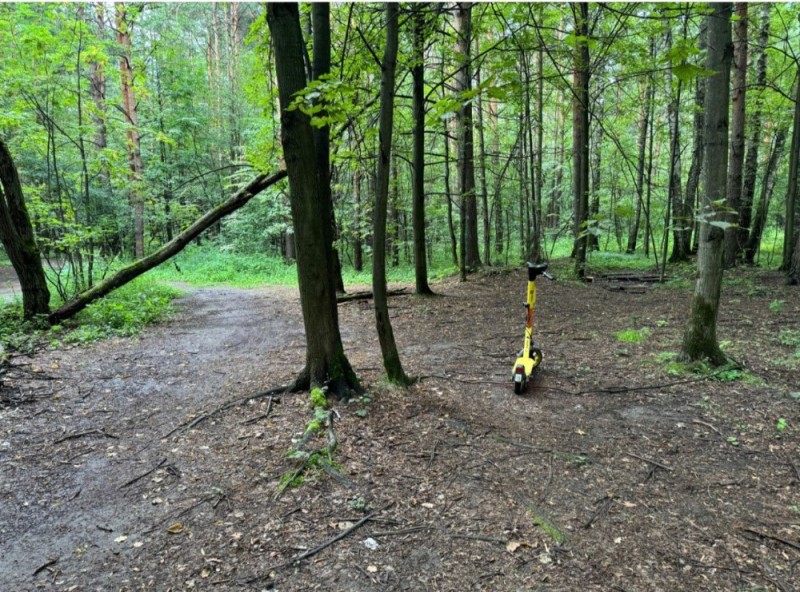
233 403
772 537
652 462
98 431
143 475
41 568
708 425
311 552
263 415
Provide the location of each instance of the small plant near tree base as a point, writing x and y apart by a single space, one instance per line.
313 460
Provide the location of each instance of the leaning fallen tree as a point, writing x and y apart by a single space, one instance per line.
173 247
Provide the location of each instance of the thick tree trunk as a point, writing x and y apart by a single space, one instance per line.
754 141
129 109
18 239
325 358
172 248
793 275
391 358
700 339
580 136
418 154
736 159
767 186
320 66
466 150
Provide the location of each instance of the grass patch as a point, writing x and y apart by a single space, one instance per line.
122 313
632 335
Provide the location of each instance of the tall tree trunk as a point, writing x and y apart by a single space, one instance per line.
767 186
644 127
696 168
448 194
675 192
793 185
391 358
580 136
736 159
320 66
418 153
754 141
124 23
18 239
325 358
538 173
700 339
487 251
596 152
358 246
466 151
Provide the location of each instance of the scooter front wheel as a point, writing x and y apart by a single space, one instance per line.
520 381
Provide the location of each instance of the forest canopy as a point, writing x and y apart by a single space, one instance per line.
127 122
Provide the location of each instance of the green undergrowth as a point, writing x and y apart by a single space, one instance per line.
122 313
632 335
730 372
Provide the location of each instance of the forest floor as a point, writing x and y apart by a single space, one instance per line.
613 472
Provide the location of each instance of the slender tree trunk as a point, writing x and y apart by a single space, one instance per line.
325 358
736 158
18 239
391 358
358 247
487 251
793 184
644 127
596 152
700 339
580 136
130 112
538 174
696 168
767 186
466 156
754 141
418 153
448 194
675 192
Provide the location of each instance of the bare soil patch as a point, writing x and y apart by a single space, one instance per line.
609 474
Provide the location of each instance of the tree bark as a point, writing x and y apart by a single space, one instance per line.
696 168
767 186
736 159
18 239
470 257
418 153
793 185
129 107
320 66
580 136
754 141
325 358
700 339
676 203
172 248
391 358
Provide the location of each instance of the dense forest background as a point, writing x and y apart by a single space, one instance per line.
129 121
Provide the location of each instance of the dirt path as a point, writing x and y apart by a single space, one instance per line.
597 479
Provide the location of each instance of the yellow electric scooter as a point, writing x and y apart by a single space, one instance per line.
531 356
